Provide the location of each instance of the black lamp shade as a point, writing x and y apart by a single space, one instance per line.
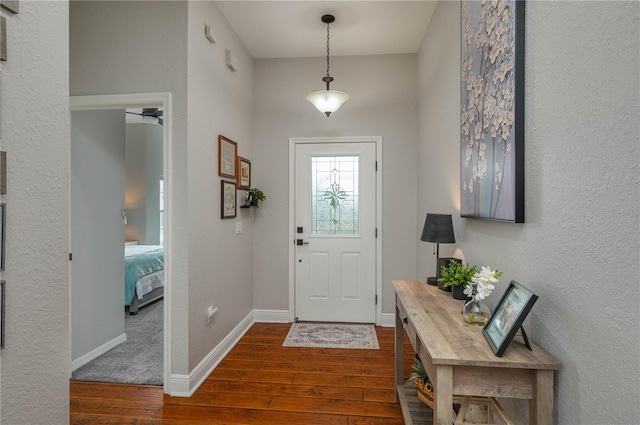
438 228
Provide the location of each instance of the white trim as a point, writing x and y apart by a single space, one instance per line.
186 385
97 352
139 100
299 140
388 320
271 316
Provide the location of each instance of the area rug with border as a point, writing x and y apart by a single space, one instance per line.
332 335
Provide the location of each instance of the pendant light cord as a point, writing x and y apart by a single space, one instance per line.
328 50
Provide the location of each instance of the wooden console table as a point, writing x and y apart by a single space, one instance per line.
459 360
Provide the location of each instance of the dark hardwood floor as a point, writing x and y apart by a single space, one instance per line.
261 382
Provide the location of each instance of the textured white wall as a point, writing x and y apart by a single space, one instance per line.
579 247
220 102
383 103
141 47
35 134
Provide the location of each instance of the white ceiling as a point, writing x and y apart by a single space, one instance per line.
293 29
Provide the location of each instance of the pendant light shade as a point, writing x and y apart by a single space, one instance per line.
328 101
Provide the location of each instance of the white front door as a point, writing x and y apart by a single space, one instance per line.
335 220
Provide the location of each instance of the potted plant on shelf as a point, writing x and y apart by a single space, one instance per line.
456 275
421 380
256 195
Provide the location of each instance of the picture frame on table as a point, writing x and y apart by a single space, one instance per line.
227 157
228 199
244 174
507 318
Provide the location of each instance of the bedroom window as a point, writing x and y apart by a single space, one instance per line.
161 187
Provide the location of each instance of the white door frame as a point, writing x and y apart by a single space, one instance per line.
292 145
147 100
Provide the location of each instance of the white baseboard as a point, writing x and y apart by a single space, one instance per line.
186 385
97 352
271 316
388 320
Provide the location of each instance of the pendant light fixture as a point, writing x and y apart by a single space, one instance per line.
328 101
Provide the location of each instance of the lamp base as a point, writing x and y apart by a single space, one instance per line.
433 281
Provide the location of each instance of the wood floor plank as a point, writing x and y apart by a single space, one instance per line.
290 390
368 420
233 416
116 391
252 365
346 407
250 376
387 395
260 382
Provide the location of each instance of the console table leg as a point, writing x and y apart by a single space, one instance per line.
443 397
541 403
399 351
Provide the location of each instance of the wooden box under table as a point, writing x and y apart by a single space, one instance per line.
459 360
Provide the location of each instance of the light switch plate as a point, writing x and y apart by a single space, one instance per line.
238 227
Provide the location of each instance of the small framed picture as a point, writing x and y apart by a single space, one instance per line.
515 304
3 173
227 153
3 221
1 314
244 173
11 5
228 200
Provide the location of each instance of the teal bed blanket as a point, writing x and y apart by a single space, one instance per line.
140 261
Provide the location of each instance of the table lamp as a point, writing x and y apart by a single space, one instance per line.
438 228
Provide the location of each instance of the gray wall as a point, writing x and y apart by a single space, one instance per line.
578 250
97 229
34 369
144 170
220 102
383 103
141 47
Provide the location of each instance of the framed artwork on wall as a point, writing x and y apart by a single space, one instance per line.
244 173
228 200
227 153
507 318
11 5
492 110
2 283
3 227
3 173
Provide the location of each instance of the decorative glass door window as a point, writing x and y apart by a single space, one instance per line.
334 195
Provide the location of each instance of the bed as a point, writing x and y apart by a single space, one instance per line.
143 275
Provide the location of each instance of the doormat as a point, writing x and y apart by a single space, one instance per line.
332 335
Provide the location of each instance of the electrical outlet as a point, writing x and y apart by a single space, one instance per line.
211 311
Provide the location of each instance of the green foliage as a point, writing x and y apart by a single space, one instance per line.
456 274
257 194
419 372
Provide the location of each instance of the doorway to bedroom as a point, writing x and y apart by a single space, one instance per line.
118 234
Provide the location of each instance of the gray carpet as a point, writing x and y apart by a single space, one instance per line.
136 361
332 335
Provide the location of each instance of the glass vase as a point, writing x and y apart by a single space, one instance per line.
476 312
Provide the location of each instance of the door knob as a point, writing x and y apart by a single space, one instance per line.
301 242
